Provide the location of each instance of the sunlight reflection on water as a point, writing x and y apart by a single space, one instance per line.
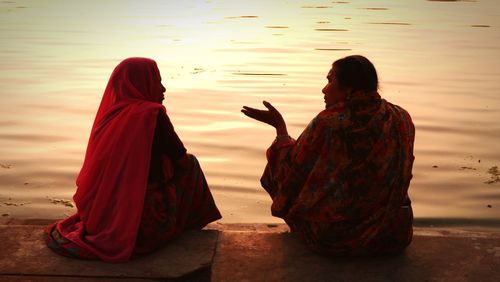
216 56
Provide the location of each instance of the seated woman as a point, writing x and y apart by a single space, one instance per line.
137 188
342 185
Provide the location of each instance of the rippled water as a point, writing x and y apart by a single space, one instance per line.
437 59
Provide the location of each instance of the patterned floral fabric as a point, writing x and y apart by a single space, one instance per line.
343 184
169 208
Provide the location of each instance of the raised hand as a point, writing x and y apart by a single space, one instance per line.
270 116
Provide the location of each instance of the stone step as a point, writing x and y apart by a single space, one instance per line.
24 253
258 252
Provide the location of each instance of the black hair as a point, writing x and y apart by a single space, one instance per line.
356 72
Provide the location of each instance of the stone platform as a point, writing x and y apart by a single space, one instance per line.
257 252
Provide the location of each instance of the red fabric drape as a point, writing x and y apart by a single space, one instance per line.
112 182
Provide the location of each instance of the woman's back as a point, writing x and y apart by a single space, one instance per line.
137 188
343 184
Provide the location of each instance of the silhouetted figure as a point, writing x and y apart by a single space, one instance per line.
342 185
138 188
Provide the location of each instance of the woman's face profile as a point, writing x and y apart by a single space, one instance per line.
334 93
159 91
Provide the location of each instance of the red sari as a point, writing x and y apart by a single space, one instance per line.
113 185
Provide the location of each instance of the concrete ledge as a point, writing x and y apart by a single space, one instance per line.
434 255
258 252
24 254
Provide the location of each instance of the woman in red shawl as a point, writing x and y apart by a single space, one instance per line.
137 188
342 185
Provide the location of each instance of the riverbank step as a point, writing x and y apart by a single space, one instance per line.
434 255
258 252
24 256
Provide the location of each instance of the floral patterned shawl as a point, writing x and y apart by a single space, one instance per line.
343 184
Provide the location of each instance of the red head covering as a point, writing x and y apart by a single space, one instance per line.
113 179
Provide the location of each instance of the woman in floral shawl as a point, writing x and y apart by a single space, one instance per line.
343 184
138 188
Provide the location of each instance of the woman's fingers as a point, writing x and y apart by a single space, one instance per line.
273 112
245 108
260 115
270 116
253 113
269 106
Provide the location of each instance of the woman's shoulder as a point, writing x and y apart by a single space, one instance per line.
397 110
333 118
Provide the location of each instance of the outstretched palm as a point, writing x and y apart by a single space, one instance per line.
270 116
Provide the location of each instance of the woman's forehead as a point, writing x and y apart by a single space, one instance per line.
331 73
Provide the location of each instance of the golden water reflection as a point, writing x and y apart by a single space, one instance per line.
437 59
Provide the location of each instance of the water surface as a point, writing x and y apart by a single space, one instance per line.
437 59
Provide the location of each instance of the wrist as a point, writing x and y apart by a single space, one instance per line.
282 137
281 130
282 133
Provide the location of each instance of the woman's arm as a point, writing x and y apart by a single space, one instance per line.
170 142
182 163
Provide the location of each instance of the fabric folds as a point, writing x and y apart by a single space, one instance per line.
112 182
343 183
